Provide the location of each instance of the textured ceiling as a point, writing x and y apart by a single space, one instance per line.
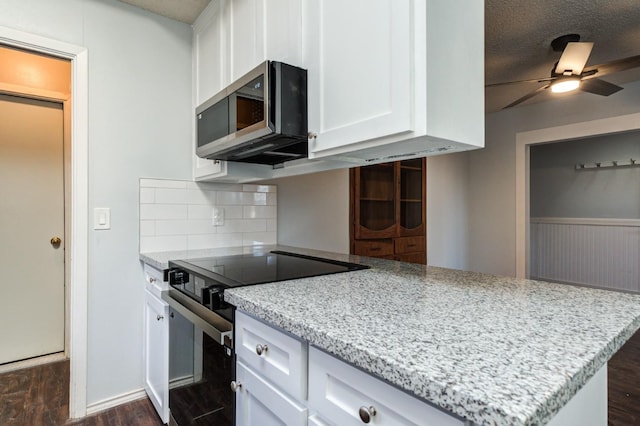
517 38
518 34
181 10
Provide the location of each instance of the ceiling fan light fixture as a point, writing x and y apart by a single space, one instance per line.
563 85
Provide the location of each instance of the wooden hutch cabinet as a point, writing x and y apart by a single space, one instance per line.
388 210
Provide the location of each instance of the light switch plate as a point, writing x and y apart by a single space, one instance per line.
217 218
101 218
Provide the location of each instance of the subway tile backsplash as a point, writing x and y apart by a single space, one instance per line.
178 215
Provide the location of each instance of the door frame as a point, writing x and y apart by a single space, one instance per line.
78 224
524 140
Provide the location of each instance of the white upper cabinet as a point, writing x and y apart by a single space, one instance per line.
392 79
360 69
387 79
230 38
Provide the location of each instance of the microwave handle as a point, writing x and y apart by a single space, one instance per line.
211 323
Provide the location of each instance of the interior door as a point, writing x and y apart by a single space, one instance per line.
31 228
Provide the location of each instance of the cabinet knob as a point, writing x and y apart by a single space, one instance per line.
55 241
160 317
312 135
366 413
152 280
260 349
235 386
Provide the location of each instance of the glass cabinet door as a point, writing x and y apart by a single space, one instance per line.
376 197
412 205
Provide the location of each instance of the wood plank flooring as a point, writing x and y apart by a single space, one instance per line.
39 396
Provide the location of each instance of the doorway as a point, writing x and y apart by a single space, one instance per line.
32 295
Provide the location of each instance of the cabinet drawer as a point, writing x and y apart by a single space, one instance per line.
373 248
154 280
259 403
409 244
283 362
338 391
419 257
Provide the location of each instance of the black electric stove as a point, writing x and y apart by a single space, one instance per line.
205 279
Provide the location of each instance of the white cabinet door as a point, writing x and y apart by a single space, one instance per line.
339 391
259 403
156 353
359 55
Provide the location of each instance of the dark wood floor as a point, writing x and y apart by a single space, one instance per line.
39 396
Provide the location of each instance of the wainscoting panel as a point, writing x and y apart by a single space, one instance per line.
595 252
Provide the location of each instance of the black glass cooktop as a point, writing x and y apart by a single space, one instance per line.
249 269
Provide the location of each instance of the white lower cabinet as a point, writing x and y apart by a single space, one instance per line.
344 395
156 353
258 402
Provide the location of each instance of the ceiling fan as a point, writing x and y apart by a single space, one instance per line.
569 73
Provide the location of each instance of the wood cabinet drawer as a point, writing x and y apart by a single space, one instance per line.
338 390
409 244
373 248
258 402
273 354
419 257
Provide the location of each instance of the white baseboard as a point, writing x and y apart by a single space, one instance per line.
32 362
108 403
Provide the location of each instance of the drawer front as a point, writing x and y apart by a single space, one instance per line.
419 257
373 248
409 244
283 362
259 403
154 280
338 391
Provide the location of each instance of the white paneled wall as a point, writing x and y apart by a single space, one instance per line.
597 252
178 215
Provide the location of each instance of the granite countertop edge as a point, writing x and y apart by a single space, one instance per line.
265 302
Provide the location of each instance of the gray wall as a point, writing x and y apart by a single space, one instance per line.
492 206
139 126
558 190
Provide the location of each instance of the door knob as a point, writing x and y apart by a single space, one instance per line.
55 241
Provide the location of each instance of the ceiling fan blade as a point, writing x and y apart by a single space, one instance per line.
613 66
574 58
599 87
527 96
535 80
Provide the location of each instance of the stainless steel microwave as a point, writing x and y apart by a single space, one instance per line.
260 118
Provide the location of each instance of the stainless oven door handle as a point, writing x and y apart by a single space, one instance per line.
211 323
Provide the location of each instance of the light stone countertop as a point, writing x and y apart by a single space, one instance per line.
494 350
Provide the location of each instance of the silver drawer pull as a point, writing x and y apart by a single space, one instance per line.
235 386
366 413
260 349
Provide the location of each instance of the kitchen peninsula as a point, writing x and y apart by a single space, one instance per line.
490 349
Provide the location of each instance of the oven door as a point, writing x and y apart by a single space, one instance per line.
201 364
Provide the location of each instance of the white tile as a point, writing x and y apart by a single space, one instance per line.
162 211
147 195
202 226
196 242
162 183
272 199
243 225
259 188
232 212
164 243
272 225
200 212
209 186
258 238
147 228
260 212
172 196
198 196
172 227
242 198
